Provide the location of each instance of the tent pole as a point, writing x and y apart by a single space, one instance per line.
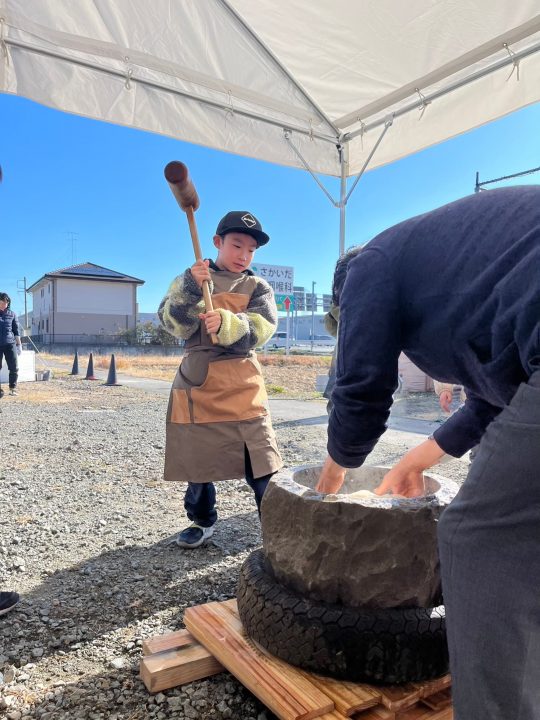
387 124
343 150
344 161
287 135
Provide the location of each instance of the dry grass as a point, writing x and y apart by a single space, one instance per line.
284 375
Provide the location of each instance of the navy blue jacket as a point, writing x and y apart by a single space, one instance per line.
9 327
458 291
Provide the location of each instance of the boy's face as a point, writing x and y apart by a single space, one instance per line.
236 251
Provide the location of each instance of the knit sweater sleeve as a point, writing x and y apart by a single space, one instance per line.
246 330
179 310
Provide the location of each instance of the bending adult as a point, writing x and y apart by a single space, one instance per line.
10 341
458 290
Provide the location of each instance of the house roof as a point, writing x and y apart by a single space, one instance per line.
88 271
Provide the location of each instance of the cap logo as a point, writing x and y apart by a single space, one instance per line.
248 220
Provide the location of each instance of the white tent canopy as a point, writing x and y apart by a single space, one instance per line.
310 83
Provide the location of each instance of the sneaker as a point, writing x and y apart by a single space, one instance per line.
8 600
13 391
193 536
1 393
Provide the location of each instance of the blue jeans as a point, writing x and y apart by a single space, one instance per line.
200 498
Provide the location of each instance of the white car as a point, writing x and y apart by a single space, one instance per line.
278 340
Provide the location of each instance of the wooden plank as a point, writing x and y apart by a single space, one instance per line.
348 697
438 701
170 668
282 688
169 641
399 697
421 712
417 712
379 712
430 687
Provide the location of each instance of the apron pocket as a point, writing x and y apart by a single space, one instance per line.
233 390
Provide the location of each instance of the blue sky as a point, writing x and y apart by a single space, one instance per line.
66 174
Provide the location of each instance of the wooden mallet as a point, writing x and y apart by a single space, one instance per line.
183 189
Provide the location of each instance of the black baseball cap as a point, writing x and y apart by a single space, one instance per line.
242 221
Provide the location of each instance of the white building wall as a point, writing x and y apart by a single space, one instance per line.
42 306
87 296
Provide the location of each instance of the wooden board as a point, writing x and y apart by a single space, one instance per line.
178 657
171 668
348 697
417 712
400 697
282 688
438 701
170 641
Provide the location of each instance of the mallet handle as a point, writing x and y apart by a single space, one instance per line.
198 256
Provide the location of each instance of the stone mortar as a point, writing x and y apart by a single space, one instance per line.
356 551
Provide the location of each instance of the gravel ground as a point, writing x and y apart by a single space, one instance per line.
86 521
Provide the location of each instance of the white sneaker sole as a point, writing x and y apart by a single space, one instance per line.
207 533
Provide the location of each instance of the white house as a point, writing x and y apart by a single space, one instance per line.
74 303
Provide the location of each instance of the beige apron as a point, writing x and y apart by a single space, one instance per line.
218 404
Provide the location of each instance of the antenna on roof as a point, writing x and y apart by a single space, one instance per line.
72 239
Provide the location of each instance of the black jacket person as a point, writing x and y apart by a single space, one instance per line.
458 290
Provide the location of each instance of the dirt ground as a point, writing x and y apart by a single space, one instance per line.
86 526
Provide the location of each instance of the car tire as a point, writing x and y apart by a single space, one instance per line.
373 645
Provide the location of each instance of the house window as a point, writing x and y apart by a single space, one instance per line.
49 288
47 324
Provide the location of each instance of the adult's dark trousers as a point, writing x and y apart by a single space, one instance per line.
9 352
489 540
200 498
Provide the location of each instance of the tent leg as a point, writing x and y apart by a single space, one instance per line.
344 196
344 161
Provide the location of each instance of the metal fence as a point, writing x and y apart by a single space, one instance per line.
79 339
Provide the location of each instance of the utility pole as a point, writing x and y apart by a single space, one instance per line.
313 283
25 301
25 308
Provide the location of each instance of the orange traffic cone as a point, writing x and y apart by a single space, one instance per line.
111 377
75 368
90 369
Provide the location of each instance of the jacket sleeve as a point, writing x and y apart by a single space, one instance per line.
15 326
180 308
247 330
463 430
369 345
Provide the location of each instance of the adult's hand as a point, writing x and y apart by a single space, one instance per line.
445 400
406 477
400 481
18 348
331 478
